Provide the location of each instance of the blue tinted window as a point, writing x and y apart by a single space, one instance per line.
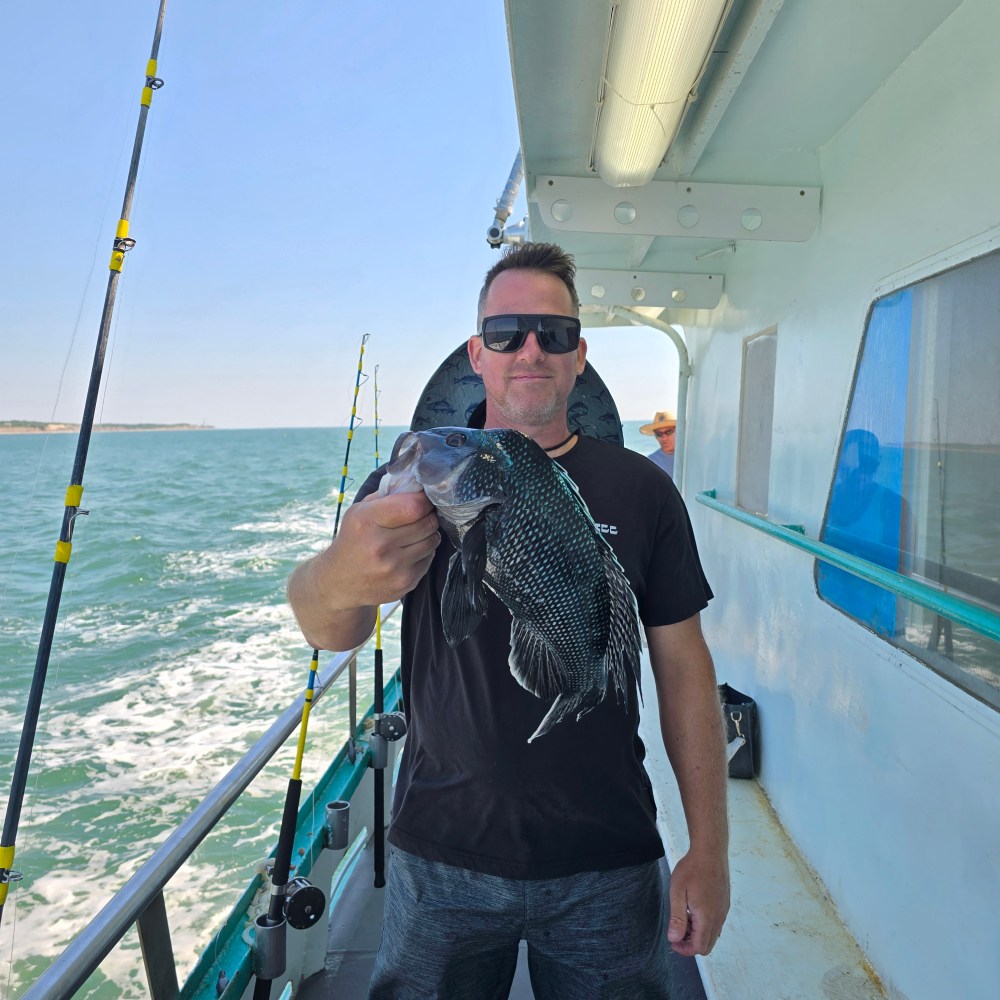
917 478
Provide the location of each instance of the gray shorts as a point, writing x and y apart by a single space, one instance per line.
453 934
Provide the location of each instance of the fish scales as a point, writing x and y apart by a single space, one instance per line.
521 529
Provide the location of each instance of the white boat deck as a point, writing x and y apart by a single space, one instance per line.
783 938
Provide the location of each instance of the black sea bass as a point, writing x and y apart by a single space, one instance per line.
520 528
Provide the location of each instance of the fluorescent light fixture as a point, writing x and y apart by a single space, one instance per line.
657 51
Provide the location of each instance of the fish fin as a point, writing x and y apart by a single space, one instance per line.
567 704
474 552
534 663
459 616
463 600
574 491
624 640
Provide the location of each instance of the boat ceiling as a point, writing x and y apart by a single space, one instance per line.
783 79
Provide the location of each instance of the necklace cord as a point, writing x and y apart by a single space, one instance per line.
565 440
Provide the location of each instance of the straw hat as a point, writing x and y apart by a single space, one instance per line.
663 418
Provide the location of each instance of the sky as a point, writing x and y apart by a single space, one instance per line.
311 172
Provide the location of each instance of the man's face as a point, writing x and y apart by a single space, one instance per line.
855 467
528 389
666 438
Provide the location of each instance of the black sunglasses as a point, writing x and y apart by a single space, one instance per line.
507 334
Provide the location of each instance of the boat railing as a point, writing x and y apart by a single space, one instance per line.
950 606
140 901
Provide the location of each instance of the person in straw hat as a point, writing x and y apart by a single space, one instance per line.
664 426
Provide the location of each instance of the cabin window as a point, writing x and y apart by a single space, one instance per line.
917 481
753 466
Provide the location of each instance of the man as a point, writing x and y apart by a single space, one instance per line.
555 842
664 426
872 521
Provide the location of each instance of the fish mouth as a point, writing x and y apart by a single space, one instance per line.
400 473
426 463
407 448
438 478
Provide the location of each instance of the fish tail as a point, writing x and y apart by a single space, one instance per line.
561 707
567 704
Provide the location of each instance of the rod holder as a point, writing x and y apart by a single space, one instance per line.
269 955
338 821
389 727
378 745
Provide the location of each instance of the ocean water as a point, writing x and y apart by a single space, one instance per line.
175 650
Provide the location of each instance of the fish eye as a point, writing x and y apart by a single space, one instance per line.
455 440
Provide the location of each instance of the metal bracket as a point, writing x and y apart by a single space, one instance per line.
678 208
662 289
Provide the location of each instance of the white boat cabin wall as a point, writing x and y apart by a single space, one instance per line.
881 732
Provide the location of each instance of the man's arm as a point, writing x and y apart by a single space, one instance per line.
383 548
694 738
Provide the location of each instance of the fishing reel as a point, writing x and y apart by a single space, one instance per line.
303 903
389 727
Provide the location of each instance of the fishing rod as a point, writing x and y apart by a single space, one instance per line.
377 742
74 493
388 727
942 626
350 435
270 928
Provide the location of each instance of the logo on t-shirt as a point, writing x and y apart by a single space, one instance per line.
607 529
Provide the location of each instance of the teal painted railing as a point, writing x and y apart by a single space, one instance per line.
958 610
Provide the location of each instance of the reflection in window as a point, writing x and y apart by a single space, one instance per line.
917 482
867 519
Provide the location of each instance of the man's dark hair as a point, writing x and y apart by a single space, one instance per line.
869 450
545 257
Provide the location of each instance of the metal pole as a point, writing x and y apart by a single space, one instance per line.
505 204
683 377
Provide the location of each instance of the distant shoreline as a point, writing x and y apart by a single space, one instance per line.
31 427
13 427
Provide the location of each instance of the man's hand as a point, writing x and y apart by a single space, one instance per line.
694 738
385 545
699 902
383 548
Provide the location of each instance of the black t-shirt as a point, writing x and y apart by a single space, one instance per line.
471 791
